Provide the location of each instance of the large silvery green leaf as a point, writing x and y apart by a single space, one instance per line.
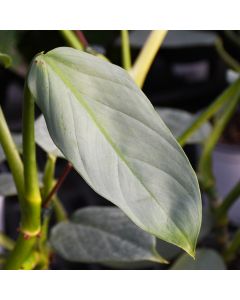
108 129
103 235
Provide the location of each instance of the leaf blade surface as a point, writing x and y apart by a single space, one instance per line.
108 129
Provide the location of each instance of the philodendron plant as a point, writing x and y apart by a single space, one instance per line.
95 116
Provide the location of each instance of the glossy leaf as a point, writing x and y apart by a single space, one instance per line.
5 60
179 120
103 234
107 128
206 259
43 138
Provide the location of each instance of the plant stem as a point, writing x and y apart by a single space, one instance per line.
59 210
31 261
206 176
6 242
12 155
31 209
205 163
126 51
231 251
208 113
48 178
144 60
48 182
20 252
31 204
58 184
228 201
71 39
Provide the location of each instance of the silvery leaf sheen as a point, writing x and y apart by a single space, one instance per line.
108 129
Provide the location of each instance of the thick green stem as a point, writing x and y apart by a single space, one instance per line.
31 204
12 155
209 112
144 61
228 201
20 253
31 261
126 51
72 39
31 209
205 163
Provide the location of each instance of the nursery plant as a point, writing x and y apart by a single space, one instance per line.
96 117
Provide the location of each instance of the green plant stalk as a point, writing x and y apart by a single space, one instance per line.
31 262
229 60
208 113
72 39
48 178
205 164
206 176
228 201
144 61
48 182
12 155
59 210
31 209
126 51
21 251
233 247
6 242
31 205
